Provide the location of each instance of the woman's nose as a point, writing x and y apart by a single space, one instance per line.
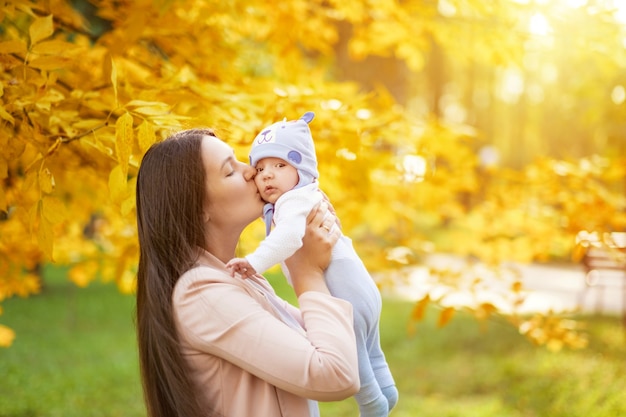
249 173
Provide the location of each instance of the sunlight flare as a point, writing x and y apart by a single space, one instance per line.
539 25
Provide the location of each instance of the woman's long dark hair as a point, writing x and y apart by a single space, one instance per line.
170 196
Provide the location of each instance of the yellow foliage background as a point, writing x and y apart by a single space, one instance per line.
84 93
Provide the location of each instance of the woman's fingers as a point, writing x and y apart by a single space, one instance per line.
322 214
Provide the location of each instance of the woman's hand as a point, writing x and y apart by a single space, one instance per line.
331 209
307 265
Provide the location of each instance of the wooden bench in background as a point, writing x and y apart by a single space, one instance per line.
604 262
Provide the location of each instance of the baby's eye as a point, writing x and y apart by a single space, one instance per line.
259 169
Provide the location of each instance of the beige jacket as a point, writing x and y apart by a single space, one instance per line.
246 361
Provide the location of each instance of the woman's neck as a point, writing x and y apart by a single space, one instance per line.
222 245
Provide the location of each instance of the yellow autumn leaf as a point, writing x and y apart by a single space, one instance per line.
127 205
83 273
485 310
53 47
54 147
145 103
445 316
146 136
46 181
578 252
41 28
6 115
419 309
45 236
14 46
49 63
7 335
113 69
14 148
53 209
127 283
168 121
87 124
152 110
30 284
117 185
124 140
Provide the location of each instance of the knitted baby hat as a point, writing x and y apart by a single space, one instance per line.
292 142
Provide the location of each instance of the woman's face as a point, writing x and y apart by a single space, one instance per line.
232 201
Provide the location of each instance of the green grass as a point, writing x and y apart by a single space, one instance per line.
75 355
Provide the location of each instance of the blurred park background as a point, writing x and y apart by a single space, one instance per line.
474 150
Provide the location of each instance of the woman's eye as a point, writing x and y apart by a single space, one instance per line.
230 174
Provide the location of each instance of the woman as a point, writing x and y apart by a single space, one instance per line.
215 345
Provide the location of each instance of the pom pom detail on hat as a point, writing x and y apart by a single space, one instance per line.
294 156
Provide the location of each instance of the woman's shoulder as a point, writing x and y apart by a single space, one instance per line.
209 280
206 288
205 275
201 275
203 271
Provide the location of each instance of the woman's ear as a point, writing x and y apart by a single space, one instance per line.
205 216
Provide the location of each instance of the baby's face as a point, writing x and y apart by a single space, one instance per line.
274 177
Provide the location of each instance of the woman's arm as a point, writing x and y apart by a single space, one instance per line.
217 315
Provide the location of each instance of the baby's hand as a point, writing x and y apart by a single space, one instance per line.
240 266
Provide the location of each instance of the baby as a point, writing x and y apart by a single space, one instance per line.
284 157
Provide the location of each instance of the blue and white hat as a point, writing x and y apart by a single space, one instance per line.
292 142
